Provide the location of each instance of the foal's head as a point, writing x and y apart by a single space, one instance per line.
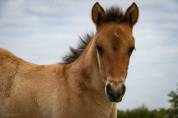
114 46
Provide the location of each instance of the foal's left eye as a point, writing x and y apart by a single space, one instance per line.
100 50
131 50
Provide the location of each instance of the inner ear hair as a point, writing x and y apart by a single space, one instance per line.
97 13
132 14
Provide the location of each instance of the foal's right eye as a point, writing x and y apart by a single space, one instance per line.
131 50
100 50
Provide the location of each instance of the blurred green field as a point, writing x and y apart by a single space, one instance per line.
144 112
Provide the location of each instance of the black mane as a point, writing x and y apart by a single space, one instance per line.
113 14
75 53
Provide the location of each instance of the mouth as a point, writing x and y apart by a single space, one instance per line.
115 99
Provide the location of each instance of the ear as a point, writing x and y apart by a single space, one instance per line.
132 14
97 13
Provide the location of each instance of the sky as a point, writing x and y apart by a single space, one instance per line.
41 31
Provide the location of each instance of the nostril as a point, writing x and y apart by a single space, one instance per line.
123 89
109 89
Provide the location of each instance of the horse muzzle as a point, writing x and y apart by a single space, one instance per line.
115 91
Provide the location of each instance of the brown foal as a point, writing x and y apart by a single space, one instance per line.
87 85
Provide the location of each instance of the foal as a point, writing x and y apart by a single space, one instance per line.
87 85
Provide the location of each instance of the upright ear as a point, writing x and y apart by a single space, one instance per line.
97 13
132 14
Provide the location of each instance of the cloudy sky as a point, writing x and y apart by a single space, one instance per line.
41 31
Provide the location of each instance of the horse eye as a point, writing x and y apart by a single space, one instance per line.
131 50
99 49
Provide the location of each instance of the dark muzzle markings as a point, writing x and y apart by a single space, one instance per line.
115 91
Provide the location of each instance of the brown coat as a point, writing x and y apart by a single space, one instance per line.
46 91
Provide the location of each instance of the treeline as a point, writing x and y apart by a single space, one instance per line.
144 112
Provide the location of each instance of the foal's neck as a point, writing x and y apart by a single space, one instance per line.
86 80
86 67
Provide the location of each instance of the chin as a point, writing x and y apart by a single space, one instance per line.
113 99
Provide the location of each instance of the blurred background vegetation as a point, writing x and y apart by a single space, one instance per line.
144 112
